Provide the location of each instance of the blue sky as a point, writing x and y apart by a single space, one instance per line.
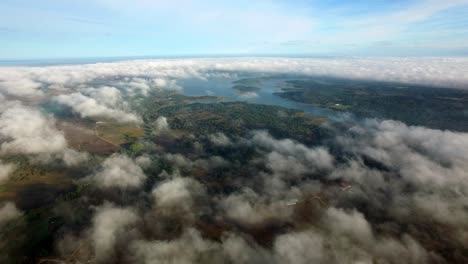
31 29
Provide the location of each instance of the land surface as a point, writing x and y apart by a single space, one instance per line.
440 108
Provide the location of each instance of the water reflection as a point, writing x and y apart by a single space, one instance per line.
268 86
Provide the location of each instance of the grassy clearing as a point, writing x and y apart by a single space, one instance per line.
119 133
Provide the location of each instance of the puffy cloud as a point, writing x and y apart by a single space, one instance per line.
237 250
352 225
219 139
109 225
143 161
161 125
178 195
118 171
247 207
8 211
300 247
424 176
287 149
104 105
5 170
165 84
421 155
109 96
258 213
21 87
144 86
73 158
179 160
404 180
347 237
28 131
134 85
189 248
184 163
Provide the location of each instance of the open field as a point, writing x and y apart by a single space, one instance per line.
118 134
82 136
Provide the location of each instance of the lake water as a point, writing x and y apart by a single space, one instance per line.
223 87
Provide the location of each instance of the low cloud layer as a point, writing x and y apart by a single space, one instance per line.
374 191
146 75
297 204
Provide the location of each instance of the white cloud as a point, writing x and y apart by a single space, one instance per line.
161 125
109 225
433 163
104 108
189 248
28 131
287 149
8 212
301 248
247 207
143 161
73 158
444 71
178 195
21 87
418 178
421 155
119 171
219 139
5 170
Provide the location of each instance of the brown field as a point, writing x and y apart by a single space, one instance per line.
82 136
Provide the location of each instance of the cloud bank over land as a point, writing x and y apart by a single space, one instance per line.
144 75
80 87
297 204
373 191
